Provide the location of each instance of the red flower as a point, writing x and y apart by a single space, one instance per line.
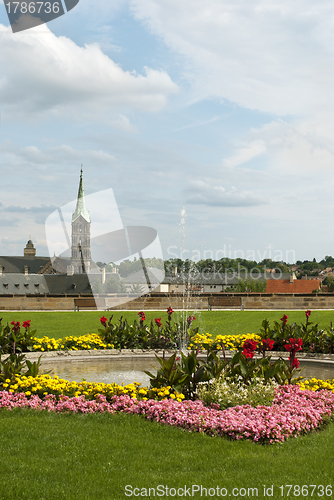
295 363
26 324
158 322
308 314
142 315
267 344
170 311
190 319
16 326
249 347
248 354
103 321
294 345
284 319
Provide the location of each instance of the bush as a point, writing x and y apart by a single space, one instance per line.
122 335
228 392
14 342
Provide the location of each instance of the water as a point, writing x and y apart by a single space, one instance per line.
119 371
317 369
127 371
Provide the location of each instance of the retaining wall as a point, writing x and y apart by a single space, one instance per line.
161 301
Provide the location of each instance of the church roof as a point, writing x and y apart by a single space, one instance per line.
81 204
17 264
20 284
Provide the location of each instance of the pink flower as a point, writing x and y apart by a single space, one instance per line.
294 412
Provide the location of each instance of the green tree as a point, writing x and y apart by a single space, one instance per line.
249 285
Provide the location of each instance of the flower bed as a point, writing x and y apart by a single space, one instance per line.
263 411
84 342
292 413
229 342
43 385
94 341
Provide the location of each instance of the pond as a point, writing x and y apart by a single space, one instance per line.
127 371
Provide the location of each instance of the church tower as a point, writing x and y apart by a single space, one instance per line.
80 249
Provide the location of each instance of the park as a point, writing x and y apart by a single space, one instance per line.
83 452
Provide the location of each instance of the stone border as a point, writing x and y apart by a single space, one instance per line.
103 354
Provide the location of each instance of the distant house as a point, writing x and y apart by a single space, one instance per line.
292 285
211 282
28 264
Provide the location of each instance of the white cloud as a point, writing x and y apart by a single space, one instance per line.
204 193
41 72
275 56
302 147
63 154
245 153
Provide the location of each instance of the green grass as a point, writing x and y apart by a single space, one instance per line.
65 456
62 324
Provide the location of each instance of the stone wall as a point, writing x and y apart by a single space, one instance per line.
39 303
161 301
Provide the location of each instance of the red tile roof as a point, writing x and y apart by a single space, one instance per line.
298 286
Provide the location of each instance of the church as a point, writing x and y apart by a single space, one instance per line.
32 274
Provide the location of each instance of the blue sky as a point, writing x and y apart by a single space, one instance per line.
225 108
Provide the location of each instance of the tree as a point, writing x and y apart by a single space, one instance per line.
249 285
329 282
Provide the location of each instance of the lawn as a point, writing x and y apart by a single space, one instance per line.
95 456
71 456
62 324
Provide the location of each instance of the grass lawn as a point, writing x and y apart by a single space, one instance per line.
66 456
62 324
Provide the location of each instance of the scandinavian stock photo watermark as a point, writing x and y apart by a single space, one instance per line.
227 252
24 15
264 491
87 235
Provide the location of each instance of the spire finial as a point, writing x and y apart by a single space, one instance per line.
81 205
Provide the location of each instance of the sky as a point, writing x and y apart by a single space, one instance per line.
212 122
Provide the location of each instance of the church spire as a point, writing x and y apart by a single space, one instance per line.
81 204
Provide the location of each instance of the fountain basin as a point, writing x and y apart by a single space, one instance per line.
127 366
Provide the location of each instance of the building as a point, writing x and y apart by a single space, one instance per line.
29 263
80 261
80 248
292 285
